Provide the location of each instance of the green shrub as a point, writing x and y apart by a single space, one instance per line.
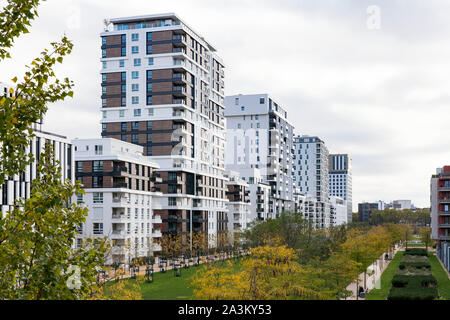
419 265
415 287
416 252
407 293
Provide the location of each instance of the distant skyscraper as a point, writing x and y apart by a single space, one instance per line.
340 179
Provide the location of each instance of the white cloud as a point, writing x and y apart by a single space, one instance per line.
380 95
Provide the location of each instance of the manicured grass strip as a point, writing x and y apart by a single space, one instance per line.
166 286
386 278
441 277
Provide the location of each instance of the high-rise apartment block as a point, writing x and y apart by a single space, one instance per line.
260 136
311 175
340 179
163 89
120 194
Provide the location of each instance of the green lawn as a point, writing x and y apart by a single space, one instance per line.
441 277
386 278
166 286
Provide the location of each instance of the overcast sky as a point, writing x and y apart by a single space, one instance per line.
370 81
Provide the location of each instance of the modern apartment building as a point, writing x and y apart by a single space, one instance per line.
310 174
339 211
259 136
120 194
340 179
239 202
440 213
365 209
19 186
163 89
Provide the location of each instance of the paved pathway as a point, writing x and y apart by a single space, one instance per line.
376 269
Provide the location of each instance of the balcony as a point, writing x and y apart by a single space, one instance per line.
156 189
179 101
156 178
120 185
118 234
444 213
156 219
156 246
119 170
444 188
179 50
156 234
119 217
179 91
260 200
179 78
259 209
445 200
175 180
444 237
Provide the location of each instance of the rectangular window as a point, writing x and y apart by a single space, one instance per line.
135 138
97 182
149 36
149 86
124 88
79 166
121 113
137 112
104 114
98 149
79 197
135 87
123 101
121 63
149 100
123 137
103 40
103 77
123 51
134 49
135 37
137 62
98 197
103 127
135 100
135 74
124 126
123 39
105 64
149 151
149 74
261 100
97 166
98 228
135 125
149 50
151 112
123 76
103 53
149 137
151 61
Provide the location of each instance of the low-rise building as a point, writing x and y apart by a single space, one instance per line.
239 202
120 196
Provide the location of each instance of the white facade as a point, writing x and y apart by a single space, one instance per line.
339 211
311 175
259 136
120 213
238 211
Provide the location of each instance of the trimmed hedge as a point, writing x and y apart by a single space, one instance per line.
412 294
419 265
416 252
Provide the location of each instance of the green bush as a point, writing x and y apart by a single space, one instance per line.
416 287
416 252
412 293
419 265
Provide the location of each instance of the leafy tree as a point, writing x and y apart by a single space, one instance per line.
31 96
425 236
36 256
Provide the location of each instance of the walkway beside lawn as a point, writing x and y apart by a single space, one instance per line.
377 268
